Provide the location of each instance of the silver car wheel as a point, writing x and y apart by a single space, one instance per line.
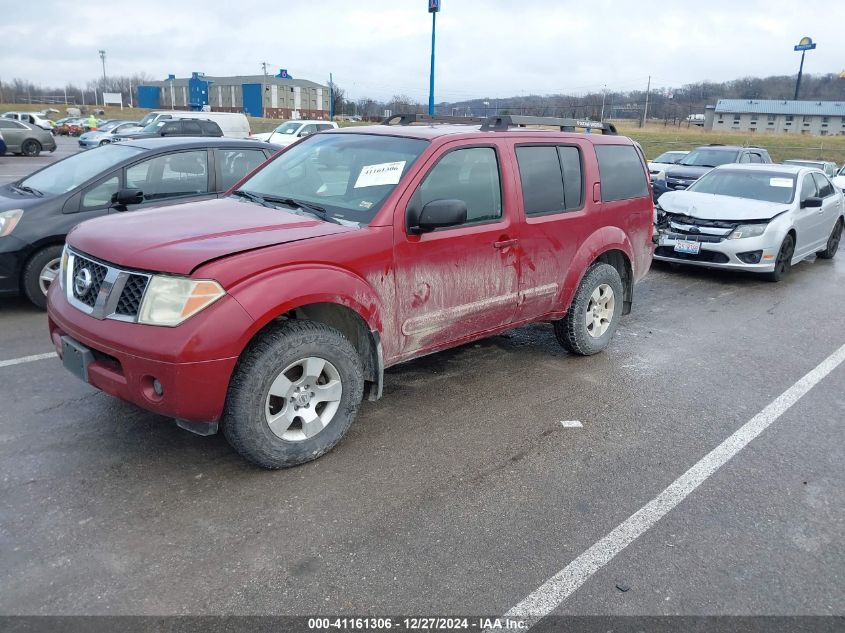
49 273
303 399
599 311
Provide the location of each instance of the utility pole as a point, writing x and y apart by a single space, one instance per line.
603 95
331 98
102 59
645 109
433 8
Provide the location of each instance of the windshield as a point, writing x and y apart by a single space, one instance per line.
348 175
287 128
767 186
78 169
153 128
105 127
669 157
805 163
709 158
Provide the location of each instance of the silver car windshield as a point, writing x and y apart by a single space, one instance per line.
709 158
767 186
347 175
78 169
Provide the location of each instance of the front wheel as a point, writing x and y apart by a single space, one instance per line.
294 394
31 148
594 315
783 261
832 242
40 273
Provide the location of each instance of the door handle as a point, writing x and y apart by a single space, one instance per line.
505 243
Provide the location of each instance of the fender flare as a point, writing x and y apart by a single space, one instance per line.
603 240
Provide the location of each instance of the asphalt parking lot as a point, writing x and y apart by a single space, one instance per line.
461 491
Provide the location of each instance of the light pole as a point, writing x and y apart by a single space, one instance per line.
433 8
806 44
102 59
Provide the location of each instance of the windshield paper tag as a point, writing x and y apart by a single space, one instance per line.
381 174
780 182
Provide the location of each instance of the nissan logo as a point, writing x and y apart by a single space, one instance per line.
82 282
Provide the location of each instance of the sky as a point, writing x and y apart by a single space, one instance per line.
378 48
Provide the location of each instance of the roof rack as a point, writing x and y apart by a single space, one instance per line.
408 119
505 121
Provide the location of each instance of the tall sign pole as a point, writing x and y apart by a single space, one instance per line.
806 44
433 8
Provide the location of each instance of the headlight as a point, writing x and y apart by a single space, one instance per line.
661 175
9 220
171 300
747 230
63 268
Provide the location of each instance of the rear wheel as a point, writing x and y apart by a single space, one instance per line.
832 242
783 262
40 272
31 147
294 394
593 317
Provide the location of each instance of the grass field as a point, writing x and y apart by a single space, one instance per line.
654 137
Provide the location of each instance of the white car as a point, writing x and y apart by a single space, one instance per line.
291 131
665 160
32 118
760 218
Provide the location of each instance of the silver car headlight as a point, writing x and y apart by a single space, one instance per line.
9 220
747 230
170 301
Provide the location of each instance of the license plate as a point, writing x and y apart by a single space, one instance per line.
689 247
76 358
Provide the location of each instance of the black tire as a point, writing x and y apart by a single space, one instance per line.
832 242
572 331
783 262
245 424
31 277
31 148
103 143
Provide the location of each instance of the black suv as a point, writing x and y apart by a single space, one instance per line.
37 212
176 127
702 159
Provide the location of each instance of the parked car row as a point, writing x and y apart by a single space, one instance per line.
25 138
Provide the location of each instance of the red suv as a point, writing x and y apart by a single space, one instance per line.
273 311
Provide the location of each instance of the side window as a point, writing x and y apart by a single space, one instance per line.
99 195
542 179
308 129
171 175
323 126
808 187
622 173
755 158
210 128
171 128
471 175
234 164
745 157
191 127
823 185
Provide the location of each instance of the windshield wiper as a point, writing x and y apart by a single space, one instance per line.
313 209
253 197
31 190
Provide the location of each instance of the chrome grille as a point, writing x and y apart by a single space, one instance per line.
87 278
102 290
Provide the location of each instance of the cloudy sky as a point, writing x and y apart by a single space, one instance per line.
378 48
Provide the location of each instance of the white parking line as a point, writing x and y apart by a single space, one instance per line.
548 596
26 359
571 424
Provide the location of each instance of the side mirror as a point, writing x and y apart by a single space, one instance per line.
439 214
812 202
125 197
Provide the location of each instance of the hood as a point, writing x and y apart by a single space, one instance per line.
11 198
687 172
264 136
91 135
708 206
178 239
839 181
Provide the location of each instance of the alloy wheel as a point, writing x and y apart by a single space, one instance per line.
599 311
49 273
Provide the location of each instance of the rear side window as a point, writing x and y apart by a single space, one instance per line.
210 128
551 178
622 173
234 164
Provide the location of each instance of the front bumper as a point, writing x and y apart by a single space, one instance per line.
13 253
193 362
724 254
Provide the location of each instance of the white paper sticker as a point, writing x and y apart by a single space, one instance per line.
381 174
780 182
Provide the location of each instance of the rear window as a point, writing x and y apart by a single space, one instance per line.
622 173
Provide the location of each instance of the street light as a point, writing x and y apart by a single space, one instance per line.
433 8
806 44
